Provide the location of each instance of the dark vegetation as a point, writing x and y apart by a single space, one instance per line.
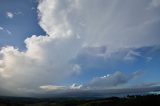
152 100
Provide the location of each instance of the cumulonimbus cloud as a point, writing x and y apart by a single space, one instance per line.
71 27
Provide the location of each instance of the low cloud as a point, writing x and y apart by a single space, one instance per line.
117 79
76 86
51 87
60 88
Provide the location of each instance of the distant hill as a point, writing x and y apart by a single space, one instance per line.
151 100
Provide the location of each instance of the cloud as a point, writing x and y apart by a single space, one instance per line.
60 88
147 85
75 86
91 27
26 68
18 13
13 14
131 55
148 59
9 15
155 3
76 68
117 79
8 32
1 28
5 30
123 29
52 87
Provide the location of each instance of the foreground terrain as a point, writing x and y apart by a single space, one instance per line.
152 100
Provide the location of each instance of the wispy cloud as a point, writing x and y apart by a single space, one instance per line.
8 32
132 55
5 30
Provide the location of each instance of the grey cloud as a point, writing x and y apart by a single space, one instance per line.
131 55
116 79
154 3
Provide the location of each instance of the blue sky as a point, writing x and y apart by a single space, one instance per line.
50 45
24 16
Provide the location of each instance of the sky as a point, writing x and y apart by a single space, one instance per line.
68 45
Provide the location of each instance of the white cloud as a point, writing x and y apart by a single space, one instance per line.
102 26
9 14
24 68
13 14
75 86
1 28
114 27
51 87
60 88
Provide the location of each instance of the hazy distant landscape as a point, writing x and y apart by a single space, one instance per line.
152 100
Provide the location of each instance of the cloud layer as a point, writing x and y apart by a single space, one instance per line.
115 80
76 27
